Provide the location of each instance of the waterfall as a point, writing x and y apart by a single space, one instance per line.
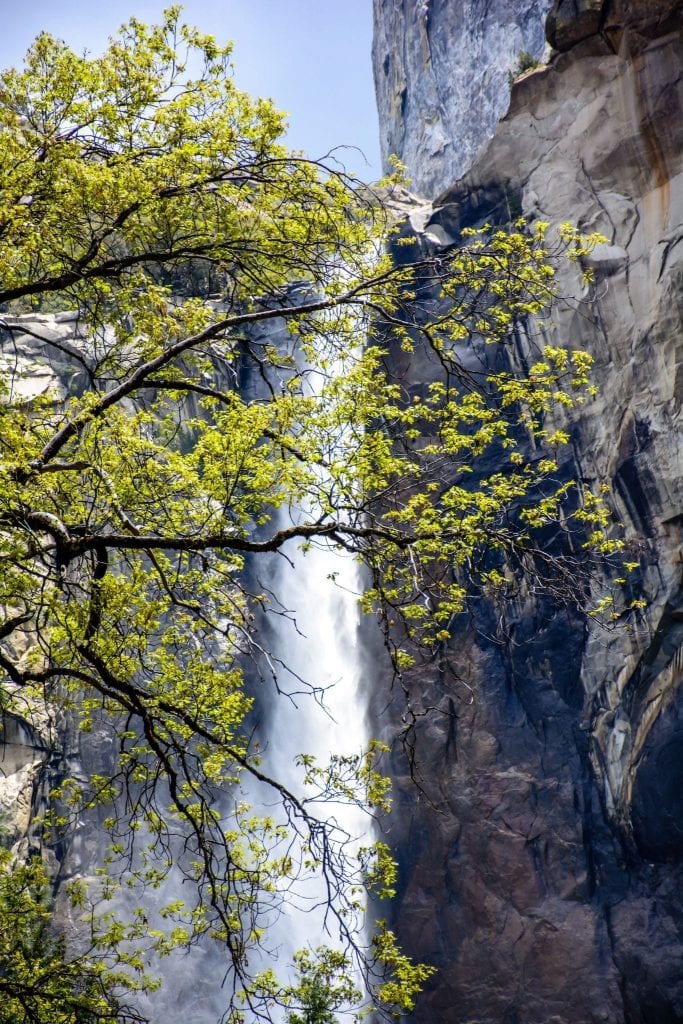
319 709
309 700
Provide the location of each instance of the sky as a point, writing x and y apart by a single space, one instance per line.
312 57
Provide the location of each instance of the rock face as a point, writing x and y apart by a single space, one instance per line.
543 877
442 78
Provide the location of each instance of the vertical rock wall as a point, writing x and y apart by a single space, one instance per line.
442 77
542 871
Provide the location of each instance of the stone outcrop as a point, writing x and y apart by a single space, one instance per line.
442 78
542 870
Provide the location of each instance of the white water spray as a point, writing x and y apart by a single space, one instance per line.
315 707
319 711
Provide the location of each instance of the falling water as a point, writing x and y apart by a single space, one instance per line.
319 709
313 704
310 701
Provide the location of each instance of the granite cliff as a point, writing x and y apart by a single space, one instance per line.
542 871
442 77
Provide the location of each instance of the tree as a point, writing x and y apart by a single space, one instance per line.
317 993
39 981
144 191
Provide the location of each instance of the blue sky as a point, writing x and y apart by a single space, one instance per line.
311 56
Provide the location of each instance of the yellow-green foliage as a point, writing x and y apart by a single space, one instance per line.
39 979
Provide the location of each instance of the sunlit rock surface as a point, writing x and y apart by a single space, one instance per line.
542 867
442 78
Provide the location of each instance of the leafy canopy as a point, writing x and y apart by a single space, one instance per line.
39 981
242 347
